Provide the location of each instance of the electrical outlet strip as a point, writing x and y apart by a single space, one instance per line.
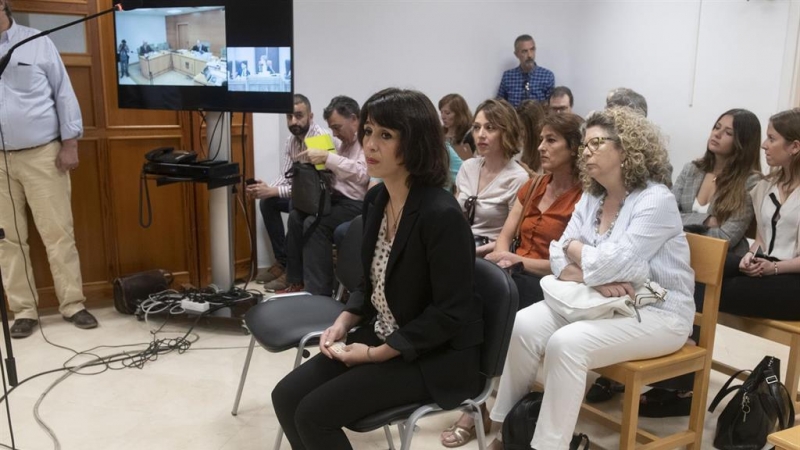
192 306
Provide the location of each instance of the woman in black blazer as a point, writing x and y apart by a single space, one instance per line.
420 323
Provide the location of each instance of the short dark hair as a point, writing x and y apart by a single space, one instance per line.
567 126
559 91
522 38
300 98
421 147
343 105
628 98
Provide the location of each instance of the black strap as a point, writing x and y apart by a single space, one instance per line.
726 390
320 211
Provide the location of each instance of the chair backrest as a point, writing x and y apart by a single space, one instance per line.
500 298
708 260
349 269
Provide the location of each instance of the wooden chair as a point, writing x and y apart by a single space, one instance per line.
780 331
708 259
788 439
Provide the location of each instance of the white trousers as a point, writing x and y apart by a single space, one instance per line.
36 182
569 351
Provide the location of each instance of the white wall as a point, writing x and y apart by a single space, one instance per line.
138 28
746 53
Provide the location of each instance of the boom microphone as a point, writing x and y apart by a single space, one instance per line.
124 5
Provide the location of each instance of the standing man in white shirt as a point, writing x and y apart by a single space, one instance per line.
40 124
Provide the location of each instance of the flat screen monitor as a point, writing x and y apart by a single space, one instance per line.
211 55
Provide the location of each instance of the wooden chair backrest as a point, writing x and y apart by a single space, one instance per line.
708 260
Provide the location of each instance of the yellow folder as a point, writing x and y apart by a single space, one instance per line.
321 142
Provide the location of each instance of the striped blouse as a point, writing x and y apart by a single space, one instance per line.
647 242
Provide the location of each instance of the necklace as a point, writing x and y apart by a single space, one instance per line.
599 217
393 227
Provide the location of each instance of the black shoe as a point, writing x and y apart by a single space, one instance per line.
579 441
603 390
665 403
82 319
23 328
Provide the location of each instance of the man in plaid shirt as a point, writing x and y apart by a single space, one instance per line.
529 80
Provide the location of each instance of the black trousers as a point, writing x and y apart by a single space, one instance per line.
312 263
770 297
316 400
271 209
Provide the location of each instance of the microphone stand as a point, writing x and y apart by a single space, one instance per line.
10 362
7 57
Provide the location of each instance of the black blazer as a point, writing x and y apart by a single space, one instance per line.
429 289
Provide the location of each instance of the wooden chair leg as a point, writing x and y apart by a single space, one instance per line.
698 412
630 412
793 371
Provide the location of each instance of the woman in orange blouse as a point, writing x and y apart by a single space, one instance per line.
544 217
546 213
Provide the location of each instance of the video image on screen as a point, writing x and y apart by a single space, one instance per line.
172 46
259 69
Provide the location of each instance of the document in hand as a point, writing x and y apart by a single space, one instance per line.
321 142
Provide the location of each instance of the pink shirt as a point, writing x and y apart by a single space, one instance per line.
350 169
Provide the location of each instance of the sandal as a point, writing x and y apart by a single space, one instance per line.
665 403
603 390
579 441
464 435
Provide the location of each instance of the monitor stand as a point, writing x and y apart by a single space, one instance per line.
220 204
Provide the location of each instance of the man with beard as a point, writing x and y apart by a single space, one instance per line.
528 80
275 197
310 260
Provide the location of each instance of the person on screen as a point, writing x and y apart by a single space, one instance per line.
123 58
198 47
243 72
41 123
270 70
145 48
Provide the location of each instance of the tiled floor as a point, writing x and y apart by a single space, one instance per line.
183 401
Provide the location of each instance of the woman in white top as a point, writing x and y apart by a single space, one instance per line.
768 284
487 184
625 230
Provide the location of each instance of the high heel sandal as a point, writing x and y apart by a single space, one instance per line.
463 435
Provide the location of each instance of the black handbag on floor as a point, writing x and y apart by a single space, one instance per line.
520 424
760 404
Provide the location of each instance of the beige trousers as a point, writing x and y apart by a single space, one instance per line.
34 180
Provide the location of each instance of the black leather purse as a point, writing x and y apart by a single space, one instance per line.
311 192
520 424
759 405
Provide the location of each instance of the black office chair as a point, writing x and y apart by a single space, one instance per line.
500 298
297 320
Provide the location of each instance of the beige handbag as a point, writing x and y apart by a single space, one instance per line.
577 301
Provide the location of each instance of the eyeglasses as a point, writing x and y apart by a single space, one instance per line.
775 218
594 144
469 208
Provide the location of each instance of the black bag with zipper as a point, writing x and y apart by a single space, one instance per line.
759 405
311 192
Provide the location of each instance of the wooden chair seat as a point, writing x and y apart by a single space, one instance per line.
788 439
689 357
708 257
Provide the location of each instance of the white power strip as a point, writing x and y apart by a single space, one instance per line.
192 306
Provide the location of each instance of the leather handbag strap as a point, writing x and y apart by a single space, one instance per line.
534 184
725 390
